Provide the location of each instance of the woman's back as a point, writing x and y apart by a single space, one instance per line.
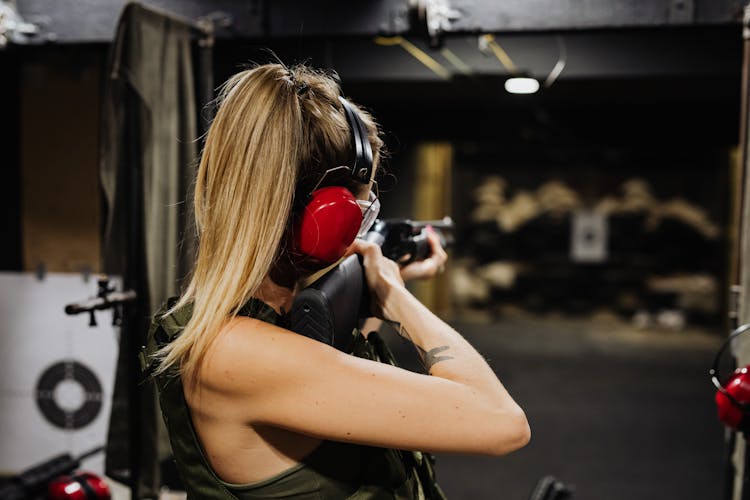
223 456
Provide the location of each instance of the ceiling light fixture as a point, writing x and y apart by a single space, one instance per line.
521 85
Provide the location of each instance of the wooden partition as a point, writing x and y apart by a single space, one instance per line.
432 200
60 211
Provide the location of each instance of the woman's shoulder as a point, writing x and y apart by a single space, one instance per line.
248 350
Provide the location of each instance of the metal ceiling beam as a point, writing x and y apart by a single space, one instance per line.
690 53
525 15
87 21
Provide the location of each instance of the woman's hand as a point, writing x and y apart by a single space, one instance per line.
383 276
429 267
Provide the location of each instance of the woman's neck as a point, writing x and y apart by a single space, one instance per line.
280 298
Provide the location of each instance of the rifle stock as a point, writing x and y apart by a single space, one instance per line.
329 309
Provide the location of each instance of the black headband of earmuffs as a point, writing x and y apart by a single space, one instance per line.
361 168
715 367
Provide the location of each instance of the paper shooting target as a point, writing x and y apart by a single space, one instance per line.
69 395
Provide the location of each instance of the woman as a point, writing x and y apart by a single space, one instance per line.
257 411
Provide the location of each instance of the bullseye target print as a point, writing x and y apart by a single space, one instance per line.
69 395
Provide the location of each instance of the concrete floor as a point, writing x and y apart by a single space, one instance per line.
621 413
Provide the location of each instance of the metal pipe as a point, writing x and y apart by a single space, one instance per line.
739 189
195 25
738 195
131 325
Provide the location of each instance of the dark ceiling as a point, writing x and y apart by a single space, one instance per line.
661 85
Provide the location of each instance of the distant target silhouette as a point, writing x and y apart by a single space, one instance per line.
69 395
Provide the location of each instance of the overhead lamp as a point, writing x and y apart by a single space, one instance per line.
519 82
521 85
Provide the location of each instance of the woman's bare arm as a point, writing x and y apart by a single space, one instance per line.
262 374
267 375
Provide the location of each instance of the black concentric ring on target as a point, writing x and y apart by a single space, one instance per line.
52 411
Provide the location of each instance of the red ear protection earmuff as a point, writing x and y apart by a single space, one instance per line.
733 397
331 217
329 224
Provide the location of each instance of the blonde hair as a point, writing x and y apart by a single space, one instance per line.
276 131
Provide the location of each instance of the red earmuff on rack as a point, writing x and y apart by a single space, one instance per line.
733 396
81 486
332 218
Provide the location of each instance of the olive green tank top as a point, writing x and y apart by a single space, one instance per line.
334 470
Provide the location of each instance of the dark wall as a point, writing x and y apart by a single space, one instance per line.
10 187
49 141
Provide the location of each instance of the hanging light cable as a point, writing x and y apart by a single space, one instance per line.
456 61
559 65
416 52
488 42
518 83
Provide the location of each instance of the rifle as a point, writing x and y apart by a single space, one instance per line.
106 298
332 307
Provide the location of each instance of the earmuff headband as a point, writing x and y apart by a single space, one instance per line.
362 161
332 217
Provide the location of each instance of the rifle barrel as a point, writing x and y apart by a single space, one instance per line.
444 223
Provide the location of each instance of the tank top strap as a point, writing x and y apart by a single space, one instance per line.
256 308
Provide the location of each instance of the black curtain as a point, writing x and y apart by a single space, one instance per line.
148 156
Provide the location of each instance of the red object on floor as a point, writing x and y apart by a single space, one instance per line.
82 486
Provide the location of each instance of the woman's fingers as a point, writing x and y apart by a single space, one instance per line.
364 248
431 266
438 252
381 273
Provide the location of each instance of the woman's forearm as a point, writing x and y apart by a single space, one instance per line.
444 352
474 397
